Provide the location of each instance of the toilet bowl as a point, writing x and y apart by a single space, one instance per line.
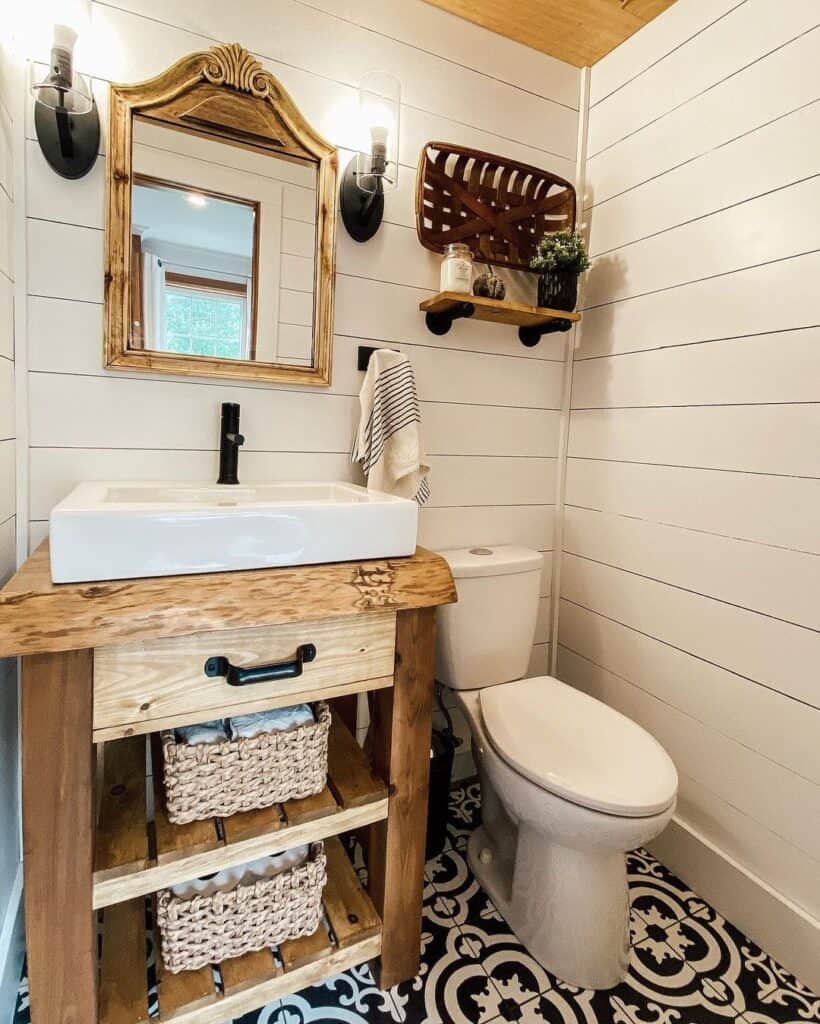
568 784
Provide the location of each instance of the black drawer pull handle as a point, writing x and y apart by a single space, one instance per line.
236 676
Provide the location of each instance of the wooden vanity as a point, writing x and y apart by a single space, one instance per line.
105 665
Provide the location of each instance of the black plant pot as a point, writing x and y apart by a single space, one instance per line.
558 289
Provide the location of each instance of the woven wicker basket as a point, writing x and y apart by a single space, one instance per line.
208 929
206 780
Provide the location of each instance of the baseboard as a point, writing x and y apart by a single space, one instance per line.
776 924
12 949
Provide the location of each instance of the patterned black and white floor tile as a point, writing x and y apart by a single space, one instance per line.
688 964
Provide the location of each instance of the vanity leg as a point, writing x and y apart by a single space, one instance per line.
400 736
58 837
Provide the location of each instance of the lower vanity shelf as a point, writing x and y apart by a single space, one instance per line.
135 856
349 935
139 852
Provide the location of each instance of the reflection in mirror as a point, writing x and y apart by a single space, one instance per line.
222 249
192 271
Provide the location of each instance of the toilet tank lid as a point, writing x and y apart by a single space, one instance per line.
485 560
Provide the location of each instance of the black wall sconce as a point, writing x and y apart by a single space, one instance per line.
65 114
374 169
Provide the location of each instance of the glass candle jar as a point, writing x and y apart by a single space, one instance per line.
457 268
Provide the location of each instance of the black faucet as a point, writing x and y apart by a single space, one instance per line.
229 441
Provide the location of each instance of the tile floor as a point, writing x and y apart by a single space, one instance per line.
689 965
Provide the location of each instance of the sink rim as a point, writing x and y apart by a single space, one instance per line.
91 497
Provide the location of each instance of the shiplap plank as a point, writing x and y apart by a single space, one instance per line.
659 37
66 337
771 227
781 729
766 650
759 93
8 554
773 581
743 36
6 143
169 414
7 422
121 412
50 269
734 173
66 200
528 525
779 510
781 439
6 235
738 370
759 787
729 306
6 317
436 31
7 479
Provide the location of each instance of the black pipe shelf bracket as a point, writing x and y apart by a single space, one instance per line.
533 322
530 336
440 323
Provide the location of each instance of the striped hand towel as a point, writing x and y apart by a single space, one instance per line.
388 443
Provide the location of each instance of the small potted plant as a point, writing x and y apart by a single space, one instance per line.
560 257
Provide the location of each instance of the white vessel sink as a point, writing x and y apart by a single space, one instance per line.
110 531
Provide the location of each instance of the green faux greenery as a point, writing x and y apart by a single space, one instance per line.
561 250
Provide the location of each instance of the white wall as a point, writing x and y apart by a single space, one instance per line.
490 407
690 585
10 874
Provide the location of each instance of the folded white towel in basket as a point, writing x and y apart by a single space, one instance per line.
278 720
388 443
242 874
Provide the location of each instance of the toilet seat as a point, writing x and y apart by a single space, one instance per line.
577 747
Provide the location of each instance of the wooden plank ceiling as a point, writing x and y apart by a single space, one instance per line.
579 32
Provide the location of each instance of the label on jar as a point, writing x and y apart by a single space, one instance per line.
456 275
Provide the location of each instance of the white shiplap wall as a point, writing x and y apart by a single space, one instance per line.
10 874
490 407
690 585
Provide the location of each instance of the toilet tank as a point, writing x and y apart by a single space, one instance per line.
487 636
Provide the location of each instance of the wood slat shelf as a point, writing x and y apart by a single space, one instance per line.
135 858
349 935
532 321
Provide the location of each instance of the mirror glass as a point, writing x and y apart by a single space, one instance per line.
223 242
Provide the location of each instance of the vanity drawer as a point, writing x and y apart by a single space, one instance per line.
155 684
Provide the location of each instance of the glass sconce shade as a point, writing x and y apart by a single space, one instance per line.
65 115
377 160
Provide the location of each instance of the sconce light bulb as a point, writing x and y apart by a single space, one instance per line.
64 38
378 134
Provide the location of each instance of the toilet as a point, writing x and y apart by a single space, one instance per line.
568 783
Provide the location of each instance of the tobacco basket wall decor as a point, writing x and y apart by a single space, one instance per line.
500 208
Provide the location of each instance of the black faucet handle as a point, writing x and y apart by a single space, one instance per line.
237 439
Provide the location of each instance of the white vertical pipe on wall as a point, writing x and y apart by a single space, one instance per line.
573 338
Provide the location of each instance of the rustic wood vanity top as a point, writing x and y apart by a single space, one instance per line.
105 663
38 616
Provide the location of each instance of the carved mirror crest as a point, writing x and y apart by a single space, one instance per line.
220 229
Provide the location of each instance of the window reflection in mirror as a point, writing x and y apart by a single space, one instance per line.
222 249
192 268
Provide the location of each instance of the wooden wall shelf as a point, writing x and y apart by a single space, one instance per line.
249 981
133 858
532 321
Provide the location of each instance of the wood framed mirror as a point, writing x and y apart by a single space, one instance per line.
220 226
